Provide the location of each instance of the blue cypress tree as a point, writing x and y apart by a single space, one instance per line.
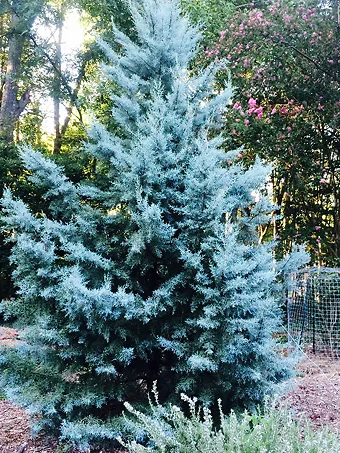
158 275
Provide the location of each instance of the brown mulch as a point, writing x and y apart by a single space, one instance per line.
14 421
315 396
8 336
15 432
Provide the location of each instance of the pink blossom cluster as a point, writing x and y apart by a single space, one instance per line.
286 100
254 108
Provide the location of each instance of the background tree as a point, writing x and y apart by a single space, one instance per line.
284 60
157 275
211 15
14 97
13 102
34 64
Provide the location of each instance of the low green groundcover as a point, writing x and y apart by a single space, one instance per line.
271 430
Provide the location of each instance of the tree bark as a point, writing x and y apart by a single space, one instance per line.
69 109
3 51
11 106
57 87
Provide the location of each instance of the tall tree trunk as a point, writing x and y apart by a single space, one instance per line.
11 106
57 86
74 100
3 51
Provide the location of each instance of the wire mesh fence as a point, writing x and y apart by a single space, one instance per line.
313 310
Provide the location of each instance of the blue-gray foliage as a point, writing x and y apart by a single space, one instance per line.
158 275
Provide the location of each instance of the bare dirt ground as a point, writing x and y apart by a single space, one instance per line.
315 396
15 432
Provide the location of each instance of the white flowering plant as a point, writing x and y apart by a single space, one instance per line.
192 430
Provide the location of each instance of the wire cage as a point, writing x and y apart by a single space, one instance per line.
313 310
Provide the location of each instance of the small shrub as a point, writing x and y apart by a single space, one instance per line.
269 431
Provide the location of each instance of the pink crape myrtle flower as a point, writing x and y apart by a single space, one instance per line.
259 112
252 103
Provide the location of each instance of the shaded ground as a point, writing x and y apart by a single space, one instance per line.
316 393
315 396
15 432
